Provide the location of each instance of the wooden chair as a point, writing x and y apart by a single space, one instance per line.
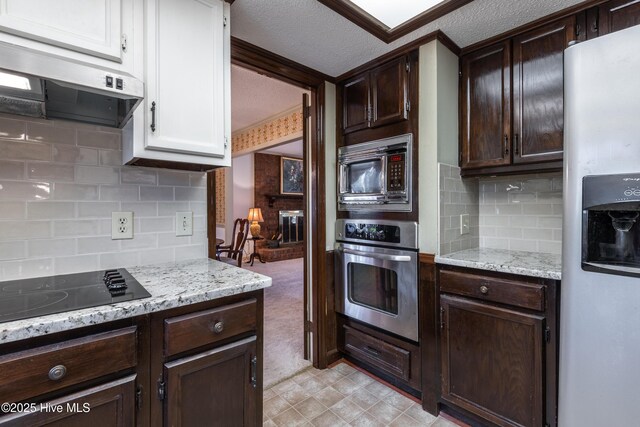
235 250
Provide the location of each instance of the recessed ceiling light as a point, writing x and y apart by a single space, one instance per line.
394 13
14 81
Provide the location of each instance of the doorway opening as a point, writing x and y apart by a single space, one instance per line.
266 184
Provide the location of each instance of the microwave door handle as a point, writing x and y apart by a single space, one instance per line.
384 257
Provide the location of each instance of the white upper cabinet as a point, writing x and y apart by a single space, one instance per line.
98 32
187 78
93 27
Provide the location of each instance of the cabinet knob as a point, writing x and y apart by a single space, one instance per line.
218 327
58 372
484 289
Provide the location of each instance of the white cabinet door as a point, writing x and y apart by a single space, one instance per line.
92 27
186 76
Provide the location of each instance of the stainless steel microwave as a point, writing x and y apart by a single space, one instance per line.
376 175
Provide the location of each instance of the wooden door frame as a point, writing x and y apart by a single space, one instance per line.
264 62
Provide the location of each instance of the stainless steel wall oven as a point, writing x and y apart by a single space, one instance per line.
377 274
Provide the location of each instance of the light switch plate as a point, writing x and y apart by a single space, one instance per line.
464 224
184 223
121 225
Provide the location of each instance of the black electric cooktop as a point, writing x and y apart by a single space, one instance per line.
22 299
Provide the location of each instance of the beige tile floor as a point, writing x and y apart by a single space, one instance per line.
342 396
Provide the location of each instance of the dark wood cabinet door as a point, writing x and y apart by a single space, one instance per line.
617 15
355 104
217 387
538 92
492 361
485 107
108 405
389 93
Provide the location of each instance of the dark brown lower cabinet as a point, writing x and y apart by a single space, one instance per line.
216 387
492 361
107 405
498 347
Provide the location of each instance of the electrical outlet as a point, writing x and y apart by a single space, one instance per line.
121 225
184 223
464 224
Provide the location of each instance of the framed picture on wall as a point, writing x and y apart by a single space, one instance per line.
291 176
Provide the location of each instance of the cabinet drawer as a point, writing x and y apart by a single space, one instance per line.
380 354
45 369
194 330
519 294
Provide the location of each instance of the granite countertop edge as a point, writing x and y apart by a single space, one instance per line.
532 264
171 285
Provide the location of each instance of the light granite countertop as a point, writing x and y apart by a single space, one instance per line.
171 285
534 264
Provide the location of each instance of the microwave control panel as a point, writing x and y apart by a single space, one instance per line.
396 178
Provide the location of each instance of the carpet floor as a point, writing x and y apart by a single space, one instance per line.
283 319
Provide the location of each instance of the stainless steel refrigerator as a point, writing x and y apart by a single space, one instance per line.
600 309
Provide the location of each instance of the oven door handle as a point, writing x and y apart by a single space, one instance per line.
384 257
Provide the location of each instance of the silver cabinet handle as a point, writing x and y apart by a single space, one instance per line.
218 327
385 257
153 116
58 372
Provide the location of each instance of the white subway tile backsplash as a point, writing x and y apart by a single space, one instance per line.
52 172
11 170
10 270
13 210
176 178
13 250
46 132
170 208
457 197
77 227
97 209
141 209
139 176
75 155
531 217
12 129
156 225
110 158
17 150
106 140
24 229
76 264
75 192
119 192
95 245
57 192
156 193
51 210
191 194
97 175
50 247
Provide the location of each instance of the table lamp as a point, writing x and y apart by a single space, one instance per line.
255 216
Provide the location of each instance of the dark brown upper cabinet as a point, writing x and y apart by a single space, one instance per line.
538 92
512 102
617 15
486 111
377 97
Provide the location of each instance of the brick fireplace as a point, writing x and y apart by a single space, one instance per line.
266 197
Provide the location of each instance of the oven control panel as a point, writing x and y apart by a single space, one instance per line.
372 232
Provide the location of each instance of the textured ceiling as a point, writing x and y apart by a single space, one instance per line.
308 32
255 97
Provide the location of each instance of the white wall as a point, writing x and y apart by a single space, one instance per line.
438 136
330 163
243 187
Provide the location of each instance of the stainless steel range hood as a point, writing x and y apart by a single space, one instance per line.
37 84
